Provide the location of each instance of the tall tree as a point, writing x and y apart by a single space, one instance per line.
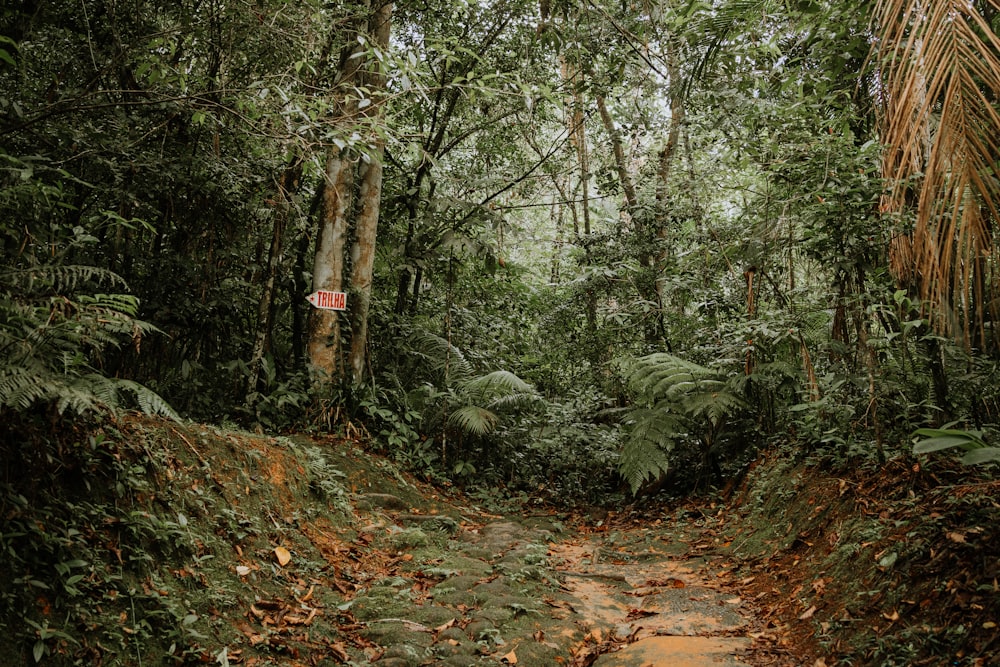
343 264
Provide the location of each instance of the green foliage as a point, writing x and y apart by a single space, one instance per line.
449 395
118 536
53 331
927 440
680 405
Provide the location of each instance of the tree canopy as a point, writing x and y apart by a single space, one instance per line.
523 204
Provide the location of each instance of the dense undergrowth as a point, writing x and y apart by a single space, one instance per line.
134 542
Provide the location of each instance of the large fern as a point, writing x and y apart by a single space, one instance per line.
54 326
652 436
678 404
482 399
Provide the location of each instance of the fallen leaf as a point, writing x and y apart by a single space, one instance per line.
670 582
958 538
894 616
510 658
808 613
445 626
242 570
282 555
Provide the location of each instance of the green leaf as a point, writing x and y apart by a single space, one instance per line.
942 442
981 455
39 650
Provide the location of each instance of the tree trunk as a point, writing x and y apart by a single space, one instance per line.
287 184
616 146
362 264
328 340
366 229
677 117
325 338
572 77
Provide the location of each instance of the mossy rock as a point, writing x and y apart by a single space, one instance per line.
398 632
409 538
381 602
432 615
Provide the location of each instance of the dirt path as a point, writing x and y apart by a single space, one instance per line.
658 610
530 593
433 581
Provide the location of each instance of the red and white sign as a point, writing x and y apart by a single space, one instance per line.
328 300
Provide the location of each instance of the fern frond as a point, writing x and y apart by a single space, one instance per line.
494 385
77 398
49 340
679 397
148 401
22 386
440 357
56 279
660 376
714 406
517 402
646 451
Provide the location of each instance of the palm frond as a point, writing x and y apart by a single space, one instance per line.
474 419
940 64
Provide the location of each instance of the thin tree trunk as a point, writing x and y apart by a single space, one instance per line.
556 214
677 118
366 229
578 137
287 184
616 146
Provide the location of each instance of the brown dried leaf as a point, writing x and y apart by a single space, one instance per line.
282 555
808 613
445 626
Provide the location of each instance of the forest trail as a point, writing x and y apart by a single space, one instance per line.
527 590
514 591
428 577
663 610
